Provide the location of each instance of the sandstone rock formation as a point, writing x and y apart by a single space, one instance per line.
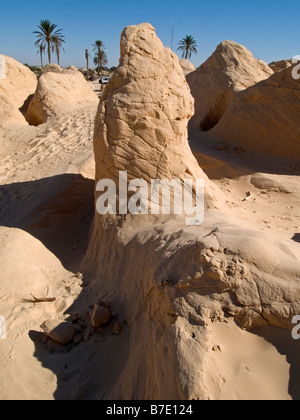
230 69
170 282
142 120
280 65
187 67
58 92
264 118
227 273
17 83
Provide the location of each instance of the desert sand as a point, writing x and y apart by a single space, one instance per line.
154 309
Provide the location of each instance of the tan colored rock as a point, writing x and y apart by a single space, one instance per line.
100 316
52 68
171 282
17 83
144 113
141 127
187 67
58 92
264 118
117 329
72 68
230 69
61 332
280 65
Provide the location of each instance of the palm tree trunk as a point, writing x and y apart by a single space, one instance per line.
187 54
99 55
87 64
41 52
49 51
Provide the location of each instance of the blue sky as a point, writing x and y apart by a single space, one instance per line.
270 29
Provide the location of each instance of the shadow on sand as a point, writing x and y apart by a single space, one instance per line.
296 237
58 211
286 346
227 162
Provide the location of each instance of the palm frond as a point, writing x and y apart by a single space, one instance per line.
188 46
49 35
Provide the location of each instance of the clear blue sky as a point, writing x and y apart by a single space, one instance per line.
270 29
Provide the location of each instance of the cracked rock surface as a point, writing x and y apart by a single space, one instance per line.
141 124
58 92
170 282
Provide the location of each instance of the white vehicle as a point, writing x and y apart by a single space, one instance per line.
104 80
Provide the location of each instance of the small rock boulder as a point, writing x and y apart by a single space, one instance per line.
59 91
100 316
117 328
51 68
59 331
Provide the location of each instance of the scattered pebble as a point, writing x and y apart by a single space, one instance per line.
117 328
87 336
248 196
222 147
216 348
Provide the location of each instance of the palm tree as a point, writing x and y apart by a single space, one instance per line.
57 46
41 51
99 48
87 56
188 45
47 35
100 61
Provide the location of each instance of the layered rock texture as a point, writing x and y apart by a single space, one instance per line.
170 282
230 69
59 91
17 83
